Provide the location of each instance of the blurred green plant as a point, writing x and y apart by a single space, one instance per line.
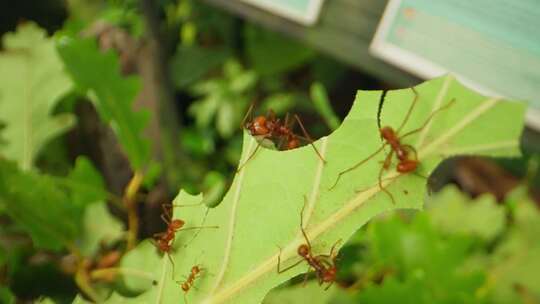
223 99
421 258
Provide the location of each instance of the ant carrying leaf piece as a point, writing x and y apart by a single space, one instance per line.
405 153
323 265
270 127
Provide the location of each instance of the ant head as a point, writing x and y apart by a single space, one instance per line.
196 269
293 143
177 224
259 120
303 250
185 286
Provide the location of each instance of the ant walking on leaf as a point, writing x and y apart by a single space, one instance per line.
186 285
323 265
405 153
269 127
164 240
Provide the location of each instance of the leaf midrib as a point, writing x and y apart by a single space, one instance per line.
315 231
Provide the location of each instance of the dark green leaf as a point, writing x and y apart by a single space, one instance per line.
37 204
100 74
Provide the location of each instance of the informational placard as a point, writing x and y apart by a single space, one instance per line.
491 45
302 11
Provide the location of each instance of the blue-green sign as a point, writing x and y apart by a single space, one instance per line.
494 45
303 11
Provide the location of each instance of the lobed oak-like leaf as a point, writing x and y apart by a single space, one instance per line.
261 211
32 81
99 73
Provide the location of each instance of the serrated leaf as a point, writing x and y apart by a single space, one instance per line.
31 84
261 210
39 206
114 94
85 183
453 212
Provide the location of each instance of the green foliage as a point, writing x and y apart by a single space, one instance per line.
190 64
99 73
46 212
453 214
100 228
261 210
52 212
322 105
271 53
31 84
6 296
223 99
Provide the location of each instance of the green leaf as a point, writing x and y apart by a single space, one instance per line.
261 210
323 106
6 296
99 228
515 265
36 203
85 183
271 53
31 84
190 64
99 73
310 293
453 212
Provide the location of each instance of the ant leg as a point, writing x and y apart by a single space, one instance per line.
430 117
279 270
302 223
306 276
250 157
329 285
332 255
159 234
308 137
199 227
357 165
172 262
248 113
164 218
413 104
185 297
380 181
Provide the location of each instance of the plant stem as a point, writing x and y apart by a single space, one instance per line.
81 275
130 195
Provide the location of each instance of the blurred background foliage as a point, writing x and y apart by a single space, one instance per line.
133 100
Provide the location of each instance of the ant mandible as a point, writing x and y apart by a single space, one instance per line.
403 152
269 127
324 265
164 240
188 283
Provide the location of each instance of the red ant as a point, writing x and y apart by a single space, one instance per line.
324 265
164 240
405 164
188 283
269 127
